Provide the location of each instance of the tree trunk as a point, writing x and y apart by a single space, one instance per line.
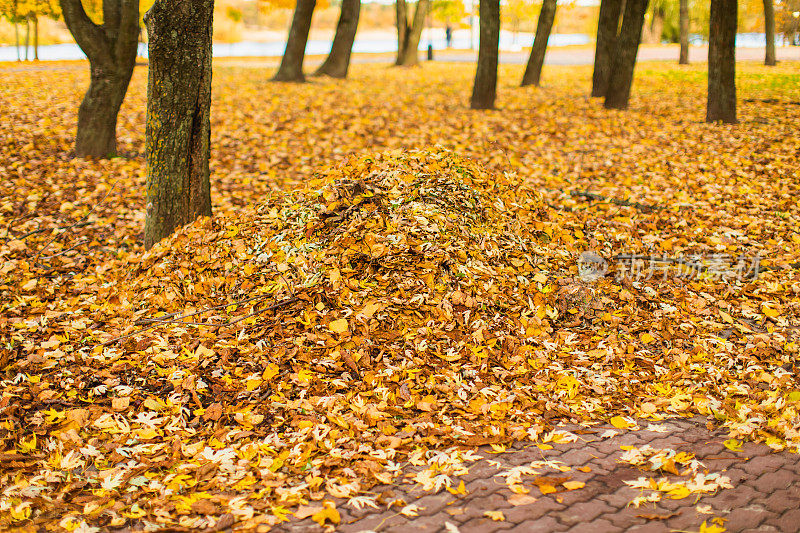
97 115
533 72
27 35
656 26
111 50
338 60
16 39
409 55
683 59
291 68
607 27
485 88
35 38
178 115
769 32
722 62
624 60
402 29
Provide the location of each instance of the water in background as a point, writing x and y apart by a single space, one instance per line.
461 40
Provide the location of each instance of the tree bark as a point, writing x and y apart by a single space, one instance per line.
291 68
722 62
607 27
402 29
625 50
409 56
178 127
533 72
769 32
656 26
484 89
35 38
16 39
338 61
683 59
111 50
27 35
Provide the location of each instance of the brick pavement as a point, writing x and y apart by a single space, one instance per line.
765 494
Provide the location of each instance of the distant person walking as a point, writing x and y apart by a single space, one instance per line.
448 35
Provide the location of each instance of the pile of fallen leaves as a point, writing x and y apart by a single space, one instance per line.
307 346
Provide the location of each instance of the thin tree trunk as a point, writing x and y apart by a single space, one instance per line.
607 27
402 29
178 115
624 60
16 39
683 59
27 35
291 68
111 50
410 55
722 62
338 61
485 88
769 32
35 38
533 72
656 26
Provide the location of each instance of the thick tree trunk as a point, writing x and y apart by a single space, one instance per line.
291 68
97 115
409 55
402 29
722 62
607 27
533 72
111 50
178 115
485 88
624 60
769 32
338 61
683 59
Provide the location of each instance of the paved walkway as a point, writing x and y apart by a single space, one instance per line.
555 56
765 493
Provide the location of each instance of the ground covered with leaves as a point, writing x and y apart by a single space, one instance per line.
387 273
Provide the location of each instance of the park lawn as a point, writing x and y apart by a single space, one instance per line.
386 272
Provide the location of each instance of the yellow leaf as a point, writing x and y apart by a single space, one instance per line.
573 485
711 528
462 489
497 516
726 317
547 489
338 326
733 445
646 338
540 278
327 513
620 423
679 492
769 311
270 372
497 448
